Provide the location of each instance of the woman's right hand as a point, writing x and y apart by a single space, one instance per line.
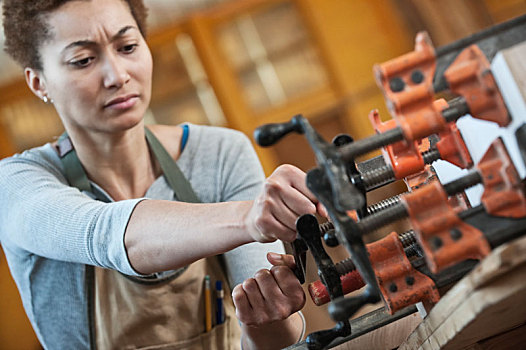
284 198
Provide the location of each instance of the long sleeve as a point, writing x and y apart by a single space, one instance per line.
42 215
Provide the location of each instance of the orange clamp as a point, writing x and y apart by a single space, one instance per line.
401 285
503 190
470 76
403 156
444 237
452 147
407 84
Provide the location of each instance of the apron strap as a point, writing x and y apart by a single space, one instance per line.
74 171
77 177
174 176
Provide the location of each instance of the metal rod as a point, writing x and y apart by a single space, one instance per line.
457 108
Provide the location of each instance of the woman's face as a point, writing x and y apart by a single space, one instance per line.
97 67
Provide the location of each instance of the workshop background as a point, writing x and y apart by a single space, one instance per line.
243 63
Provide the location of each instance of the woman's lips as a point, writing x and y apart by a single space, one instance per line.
122 102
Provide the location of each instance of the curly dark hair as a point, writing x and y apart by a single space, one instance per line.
26 29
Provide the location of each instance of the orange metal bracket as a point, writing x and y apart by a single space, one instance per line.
503 190
401 285
452 147
403 156
407 84
470 76
444 237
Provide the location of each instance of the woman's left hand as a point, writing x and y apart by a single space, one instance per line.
271 295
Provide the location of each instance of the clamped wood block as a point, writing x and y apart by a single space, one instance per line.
401 285
503 190
443 236
407 84
470 77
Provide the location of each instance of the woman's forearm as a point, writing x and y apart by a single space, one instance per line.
164 235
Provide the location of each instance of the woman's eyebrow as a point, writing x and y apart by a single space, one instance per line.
119 34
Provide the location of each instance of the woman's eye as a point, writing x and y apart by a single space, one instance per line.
128 48
84 62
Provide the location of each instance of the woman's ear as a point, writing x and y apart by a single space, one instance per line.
36 82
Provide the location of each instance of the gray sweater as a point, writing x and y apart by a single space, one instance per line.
49 230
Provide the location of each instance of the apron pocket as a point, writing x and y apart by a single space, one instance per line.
217 339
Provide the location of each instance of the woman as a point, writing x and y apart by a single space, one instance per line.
90 223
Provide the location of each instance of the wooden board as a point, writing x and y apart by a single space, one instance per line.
487 302
384 338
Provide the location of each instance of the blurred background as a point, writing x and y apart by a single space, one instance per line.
243 63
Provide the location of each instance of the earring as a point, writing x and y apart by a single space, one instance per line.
47 100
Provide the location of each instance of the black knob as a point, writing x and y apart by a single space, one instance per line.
268 134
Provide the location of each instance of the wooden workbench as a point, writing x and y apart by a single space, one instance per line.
485 310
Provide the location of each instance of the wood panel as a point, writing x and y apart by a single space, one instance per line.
487 302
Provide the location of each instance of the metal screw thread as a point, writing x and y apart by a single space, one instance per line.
326 227
390 214
409 243
408 240
378 177
383 204
345 266
430 155
372 209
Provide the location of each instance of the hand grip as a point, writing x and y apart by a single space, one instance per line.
268 134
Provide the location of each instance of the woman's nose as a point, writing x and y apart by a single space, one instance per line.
115 73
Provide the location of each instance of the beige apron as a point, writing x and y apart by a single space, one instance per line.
165 313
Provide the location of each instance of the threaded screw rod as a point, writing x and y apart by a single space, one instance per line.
408 240
384 175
